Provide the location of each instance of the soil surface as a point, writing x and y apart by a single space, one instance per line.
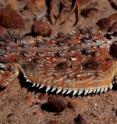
18 104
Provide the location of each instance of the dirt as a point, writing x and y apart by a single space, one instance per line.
20 105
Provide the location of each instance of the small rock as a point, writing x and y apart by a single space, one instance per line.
71 105
10 115
114 110
9 18
53 122
41 28
113 49
104 24
113 4
80 120
113 18
57 103
89 12
113 28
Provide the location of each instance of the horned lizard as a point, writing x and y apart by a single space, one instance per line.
75 63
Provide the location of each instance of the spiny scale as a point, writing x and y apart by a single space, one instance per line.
41 86
68 91
64 91
98 90
58 90
53 89
74 91
48 88
37 85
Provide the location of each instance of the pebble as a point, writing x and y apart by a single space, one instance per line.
113 28
80 120
89 12
57 103
104 24
113 17
41 28
113 4
53 122
9 18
